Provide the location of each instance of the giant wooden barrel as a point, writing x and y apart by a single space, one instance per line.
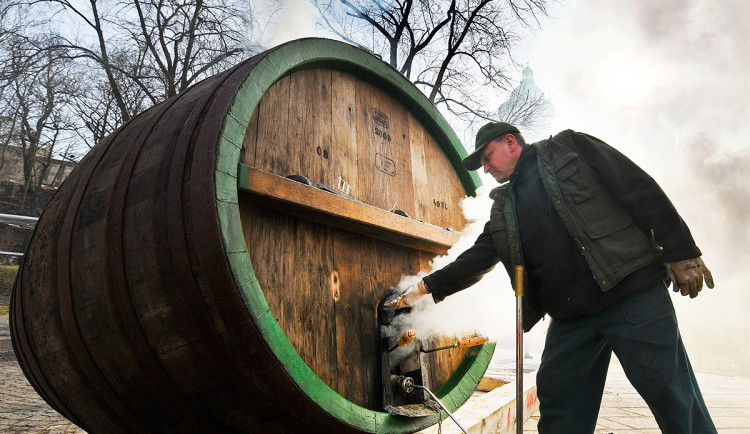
178 282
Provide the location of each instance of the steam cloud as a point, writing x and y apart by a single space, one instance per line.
665 82
487 308
286 20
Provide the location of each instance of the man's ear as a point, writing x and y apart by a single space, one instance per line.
510 142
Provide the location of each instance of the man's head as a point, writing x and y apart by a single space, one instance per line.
497 148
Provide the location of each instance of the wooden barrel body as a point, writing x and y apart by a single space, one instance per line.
178 282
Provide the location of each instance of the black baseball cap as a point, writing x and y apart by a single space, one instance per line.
485 135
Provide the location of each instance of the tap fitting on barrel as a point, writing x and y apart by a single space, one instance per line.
402 384
405 338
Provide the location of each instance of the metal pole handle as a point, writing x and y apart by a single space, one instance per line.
441 405
519 349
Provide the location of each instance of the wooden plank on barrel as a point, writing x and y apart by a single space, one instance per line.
401 186
308 290
298 138
247 153
354 351
420 181
444 209
315 145
297 265
317 205
365 159
385 169
274 153
442 364
344 133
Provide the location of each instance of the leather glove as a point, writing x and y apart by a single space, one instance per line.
687 276
408 297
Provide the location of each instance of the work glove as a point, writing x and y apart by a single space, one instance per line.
687 276
408 297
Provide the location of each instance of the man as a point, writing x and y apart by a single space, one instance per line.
598 239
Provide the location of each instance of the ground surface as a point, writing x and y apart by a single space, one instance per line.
21 409
623 411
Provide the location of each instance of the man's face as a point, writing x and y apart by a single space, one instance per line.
499 157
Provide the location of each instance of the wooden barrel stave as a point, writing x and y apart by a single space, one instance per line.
26 341
105 317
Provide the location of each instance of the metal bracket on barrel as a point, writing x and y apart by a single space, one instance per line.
400 375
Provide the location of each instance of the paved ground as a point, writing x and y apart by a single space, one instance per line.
21 409
623 411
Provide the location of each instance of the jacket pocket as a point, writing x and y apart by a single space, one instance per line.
619 240
573 182
613 223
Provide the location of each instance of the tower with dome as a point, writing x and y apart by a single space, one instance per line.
526 105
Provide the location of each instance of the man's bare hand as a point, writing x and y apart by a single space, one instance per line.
687 276
408 297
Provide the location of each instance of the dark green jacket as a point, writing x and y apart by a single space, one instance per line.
614 211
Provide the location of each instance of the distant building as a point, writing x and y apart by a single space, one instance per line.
17 202
526 106
11 167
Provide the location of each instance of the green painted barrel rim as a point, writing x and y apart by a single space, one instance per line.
276 63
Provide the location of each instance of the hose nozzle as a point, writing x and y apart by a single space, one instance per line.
405 338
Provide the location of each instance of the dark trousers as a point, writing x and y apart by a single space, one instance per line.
642 331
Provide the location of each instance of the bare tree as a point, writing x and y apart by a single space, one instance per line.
132 54
455 51
189 39
72 71
37 87
525 108
97 110
161 46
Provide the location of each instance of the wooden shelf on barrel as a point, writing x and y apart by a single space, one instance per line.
309 202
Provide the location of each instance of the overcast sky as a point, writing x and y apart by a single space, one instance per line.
667 83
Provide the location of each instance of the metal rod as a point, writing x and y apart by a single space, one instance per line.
432 350
519 349
463 343
441 405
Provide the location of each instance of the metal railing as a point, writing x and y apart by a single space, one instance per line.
18 221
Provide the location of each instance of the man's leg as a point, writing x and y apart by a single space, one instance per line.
571 377
647 342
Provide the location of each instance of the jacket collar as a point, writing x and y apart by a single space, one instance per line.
524 163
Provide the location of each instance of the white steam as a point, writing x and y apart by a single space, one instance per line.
473 310
486 309
285 20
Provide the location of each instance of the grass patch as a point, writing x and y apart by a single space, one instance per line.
7 278
4 308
